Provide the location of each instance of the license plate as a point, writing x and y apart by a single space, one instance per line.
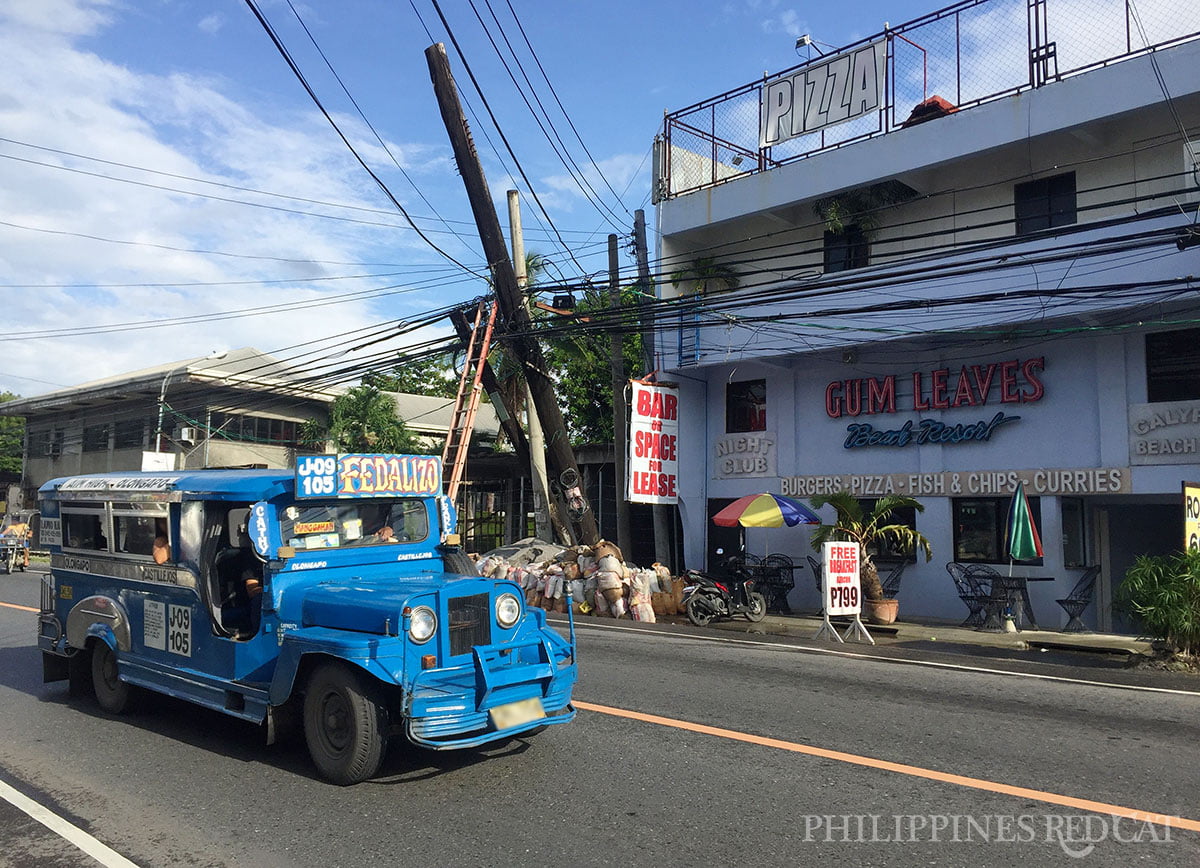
516 713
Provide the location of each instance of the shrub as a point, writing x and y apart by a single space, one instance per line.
1163 593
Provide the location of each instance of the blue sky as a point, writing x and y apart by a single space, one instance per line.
158 159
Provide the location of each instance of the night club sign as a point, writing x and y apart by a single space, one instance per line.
1013 381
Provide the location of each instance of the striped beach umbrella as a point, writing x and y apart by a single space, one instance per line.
765 510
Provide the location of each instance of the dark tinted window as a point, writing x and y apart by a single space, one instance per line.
980 528
1045 203
846 249
746 406
1172 366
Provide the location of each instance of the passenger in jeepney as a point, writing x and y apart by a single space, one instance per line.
162 544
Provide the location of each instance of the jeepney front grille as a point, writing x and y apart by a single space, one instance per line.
470 622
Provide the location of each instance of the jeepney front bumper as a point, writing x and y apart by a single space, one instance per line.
471 705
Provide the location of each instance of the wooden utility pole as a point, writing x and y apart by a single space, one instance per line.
619 381
508 296
661 512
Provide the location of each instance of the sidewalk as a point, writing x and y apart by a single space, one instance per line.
805 626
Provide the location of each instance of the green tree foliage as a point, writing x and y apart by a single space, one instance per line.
853 525
706 275
432 376
12 435
364 420
1163 593
579 357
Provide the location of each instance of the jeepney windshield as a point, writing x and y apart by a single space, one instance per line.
336 524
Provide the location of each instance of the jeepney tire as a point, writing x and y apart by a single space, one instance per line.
112 693
344 726
456 561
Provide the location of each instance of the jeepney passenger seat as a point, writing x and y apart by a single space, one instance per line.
239 612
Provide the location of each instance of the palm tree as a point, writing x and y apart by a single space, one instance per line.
364 420
704 272
853 526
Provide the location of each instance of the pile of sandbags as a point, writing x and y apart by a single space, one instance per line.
594 580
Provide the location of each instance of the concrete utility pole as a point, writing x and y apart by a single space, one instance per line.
508 296
620 425
537 442
660 511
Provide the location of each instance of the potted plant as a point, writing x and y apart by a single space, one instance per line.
1163 593
852 525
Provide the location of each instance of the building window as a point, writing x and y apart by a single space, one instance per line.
253 429
746 406
95 438
888 552
846 249
980 529
1045 203
129 434
1074 532
1173 366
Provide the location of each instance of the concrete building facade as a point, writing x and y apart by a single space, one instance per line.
961 289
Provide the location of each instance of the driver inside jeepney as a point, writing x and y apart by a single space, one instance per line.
335 525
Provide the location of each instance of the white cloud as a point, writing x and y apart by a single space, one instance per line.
55 94
211 24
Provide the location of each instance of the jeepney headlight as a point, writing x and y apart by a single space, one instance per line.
422 624
508 610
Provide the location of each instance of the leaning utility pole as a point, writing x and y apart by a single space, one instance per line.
660 511
512 307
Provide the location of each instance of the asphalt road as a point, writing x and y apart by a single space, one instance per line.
811 758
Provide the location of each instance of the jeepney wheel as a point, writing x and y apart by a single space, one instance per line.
345 728
758 607
111 692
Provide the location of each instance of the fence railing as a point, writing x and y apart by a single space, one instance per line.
970 53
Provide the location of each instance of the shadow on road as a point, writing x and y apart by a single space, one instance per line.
208 730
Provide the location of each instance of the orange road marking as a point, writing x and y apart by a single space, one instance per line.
22 608
903 769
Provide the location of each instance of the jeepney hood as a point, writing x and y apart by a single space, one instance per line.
364 606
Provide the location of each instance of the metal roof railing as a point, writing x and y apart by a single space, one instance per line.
970 53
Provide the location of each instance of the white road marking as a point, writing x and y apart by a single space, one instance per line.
806 649
102 853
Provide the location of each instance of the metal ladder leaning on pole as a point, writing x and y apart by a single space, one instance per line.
458 436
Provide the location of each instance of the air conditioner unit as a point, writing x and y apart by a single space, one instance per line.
53 450
187 435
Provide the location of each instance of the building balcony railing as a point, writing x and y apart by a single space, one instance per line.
967 54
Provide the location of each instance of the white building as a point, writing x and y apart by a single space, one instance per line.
1011 299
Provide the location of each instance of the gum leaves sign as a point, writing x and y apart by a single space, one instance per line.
653 444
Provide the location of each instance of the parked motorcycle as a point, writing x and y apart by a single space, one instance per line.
711 598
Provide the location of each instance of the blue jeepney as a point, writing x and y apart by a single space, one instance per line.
335 596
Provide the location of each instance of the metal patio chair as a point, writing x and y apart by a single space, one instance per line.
776 580
891 582
970 592
1079 599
